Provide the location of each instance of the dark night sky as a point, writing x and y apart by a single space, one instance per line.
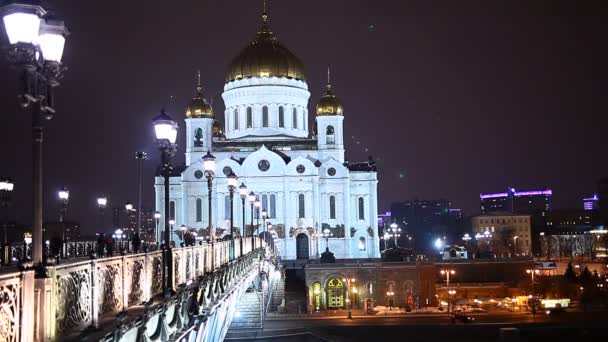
460 97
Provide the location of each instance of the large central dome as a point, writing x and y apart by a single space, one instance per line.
265 56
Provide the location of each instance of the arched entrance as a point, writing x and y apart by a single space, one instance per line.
302 246
335 294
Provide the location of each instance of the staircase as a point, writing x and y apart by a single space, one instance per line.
278 295
249 309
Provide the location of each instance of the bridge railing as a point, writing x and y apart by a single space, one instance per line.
75 294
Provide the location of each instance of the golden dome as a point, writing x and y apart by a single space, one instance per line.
265 56
218 130
199 107
329 104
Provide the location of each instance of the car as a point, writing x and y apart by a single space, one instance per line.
462 317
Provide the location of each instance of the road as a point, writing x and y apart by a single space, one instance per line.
570 326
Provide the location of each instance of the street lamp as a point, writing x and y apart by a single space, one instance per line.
451 294
447 272
257 205
139 156
157 221
165 129
232 180
326 234
515 244
264 216
36 43
209 166
252 201
532 272
6 189
128 211
395 231
243 194
390 295
64 196
349 282
102 203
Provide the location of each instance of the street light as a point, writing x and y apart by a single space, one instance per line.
36 43
326 234
390 295
209 166
128 211
64 196
257 205
349 282
451 294
139 156
232 180
515 244
447 272
102 203
165 129
157 221
395 232
532 272
252 201
6 189
243 194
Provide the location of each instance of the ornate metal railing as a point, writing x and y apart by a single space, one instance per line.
76 293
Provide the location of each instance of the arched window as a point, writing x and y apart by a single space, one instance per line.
249 117
362 243
199 210
236 119
332 207
198 137
265 116
361 209
301 208
273 206
172 210
295 118
329 136
227 207
265 203
281 117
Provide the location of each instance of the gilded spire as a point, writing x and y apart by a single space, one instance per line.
199 88
264 14
328 86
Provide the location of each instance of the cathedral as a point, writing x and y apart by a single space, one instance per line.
312 196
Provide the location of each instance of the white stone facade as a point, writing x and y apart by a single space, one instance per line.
302 182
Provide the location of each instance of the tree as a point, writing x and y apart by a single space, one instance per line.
570 275
585 278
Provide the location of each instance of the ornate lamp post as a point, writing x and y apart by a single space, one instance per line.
139 156
64 196
532 272
102 203
157 221
166 134
326 234
209 166
447 272
264 216
257 204
395 231
252 201
232 183
243 193
6 188
36 42
348 292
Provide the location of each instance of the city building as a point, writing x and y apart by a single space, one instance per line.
591 203
503 234
521 202
569 233
370 284
69 230
424 220
299 173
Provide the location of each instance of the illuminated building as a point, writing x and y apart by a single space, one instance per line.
521 202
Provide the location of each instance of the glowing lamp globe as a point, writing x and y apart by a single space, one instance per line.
64 194
102 201
22 22
251 197
209 162
165 127
232 180
6 185
52 39
243 190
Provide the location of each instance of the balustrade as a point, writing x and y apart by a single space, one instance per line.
78 292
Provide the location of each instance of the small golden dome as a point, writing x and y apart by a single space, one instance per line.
218 130
265 57
329 104
199 107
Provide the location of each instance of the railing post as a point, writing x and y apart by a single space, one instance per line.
125 283
94 295
28 330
